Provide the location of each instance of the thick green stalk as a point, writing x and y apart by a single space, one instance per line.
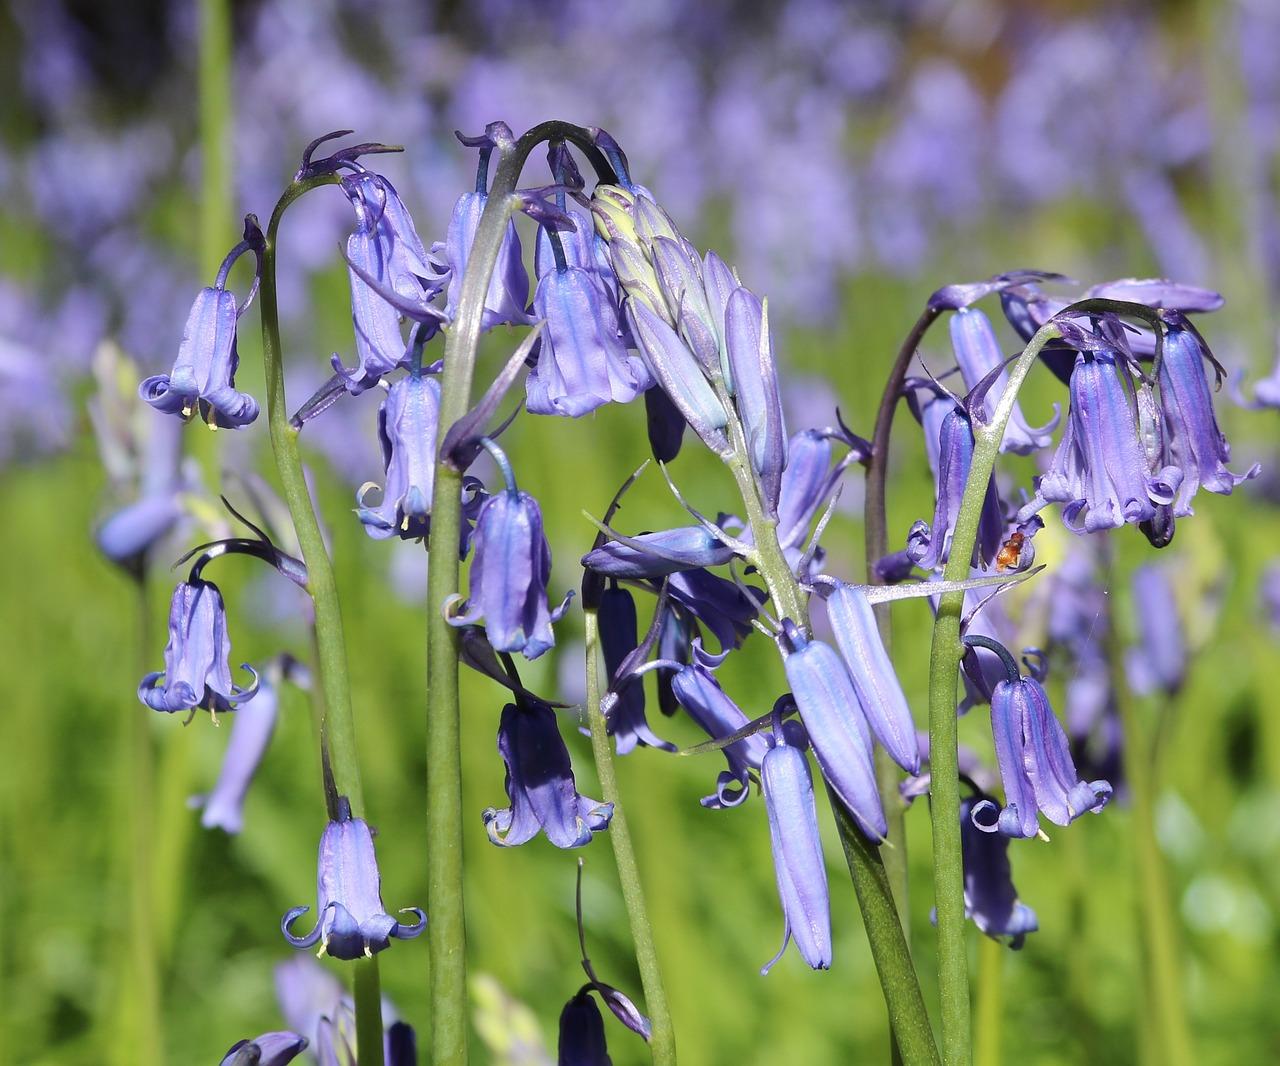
368 997
446 934
944 673
875 526
662 1044
990 1007
338 736
908 1018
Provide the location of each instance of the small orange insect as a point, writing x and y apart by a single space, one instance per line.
1010 553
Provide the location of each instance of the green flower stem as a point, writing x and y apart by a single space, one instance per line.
990 1007
944 672
338 735
1168 1031
368 997
662 1044
141 1036
908 1018
446 934
876 542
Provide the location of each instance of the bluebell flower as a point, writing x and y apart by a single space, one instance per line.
837 732
1035 763
930 546
508 294
619 637
1158 662
351 921
269 1049
540 784
1196 446
1160 293
509 574
197 668
1099 469
390 274
878 690
989 896
797 852
978 354
655 555
700 694
583 361
582 1040
203 375
408 423
1266 393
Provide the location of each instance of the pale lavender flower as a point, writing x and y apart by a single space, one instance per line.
351 921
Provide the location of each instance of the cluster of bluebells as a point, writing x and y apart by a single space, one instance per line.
856 103
624 306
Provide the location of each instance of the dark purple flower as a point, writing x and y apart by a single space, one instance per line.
1196 446
930 547
270 1049
508 292
582 1041
978 354
1158 663
203 375
352 921
879 693
1099 468
700 694
658 554
724 607
197 668
540 784
837 731
1035 763
583 361
754 386
509 575
618 639
797 852
989 896
408 422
